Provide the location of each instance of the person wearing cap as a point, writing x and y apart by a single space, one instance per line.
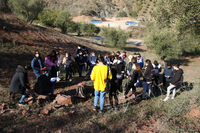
19 82
46 84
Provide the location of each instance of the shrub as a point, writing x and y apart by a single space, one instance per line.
133 14
115 37
48 17
138 6
4 6
122 14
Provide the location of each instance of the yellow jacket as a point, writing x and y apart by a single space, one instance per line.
99 75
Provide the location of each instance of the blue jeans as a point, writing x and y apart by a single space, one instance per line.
23 97
91 67
102 95
146 88
68 73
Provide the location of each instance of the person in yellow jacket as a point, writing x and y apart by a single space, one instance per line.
99 75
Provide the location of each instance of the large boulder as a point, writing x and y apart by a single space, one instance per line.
64 99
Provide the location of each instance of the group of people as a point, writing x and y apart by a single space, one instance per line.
107 72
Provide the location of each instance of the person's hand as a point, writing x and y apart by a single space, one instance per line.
168 77
170 84
161 83
126 76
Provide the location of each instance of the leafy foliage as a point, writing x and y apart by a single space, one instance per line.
122 14
63 21
133 14
88 12
48 16
28 9
138 6
4 6
115 37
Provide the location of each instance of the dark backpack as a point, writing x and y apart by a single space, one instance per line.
80 91
38 87
151 76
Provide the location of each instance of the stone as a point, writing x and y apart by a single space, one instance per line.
45 111
42 97
30 100
63 99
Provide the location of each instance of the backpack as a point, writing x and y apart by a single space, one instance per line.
38 87
152 75
80 91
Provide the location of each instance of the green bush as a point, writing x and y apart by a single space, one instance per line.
115 37
133 14
63 21
88 12
48 17
122 14
4 6
138 6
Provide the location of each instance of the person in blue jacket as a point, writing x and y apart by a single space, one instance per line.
37 64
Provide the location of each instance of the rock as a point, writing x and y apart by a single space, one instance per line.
45 111
30 100
63 99
42 97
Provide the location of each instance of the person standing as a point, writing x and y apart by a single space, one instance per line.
37 63
158 68
66 62
92 63
99 75
147 81
51 61
80 61
167 76
19 82
177 80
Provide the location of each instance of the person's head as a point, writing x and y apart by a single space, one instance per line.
176 66
83 47
113 53
169 65
148 62
51 53
44 71
57 52
155 63
100 59
118 53
134 59
92 54
138 57
80 52
124 52
137 68
79 46
27 68
107 55
99 55
135 54
36 54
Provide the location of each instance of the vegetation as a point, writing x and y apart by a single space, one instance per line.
122 14
133 14
88 12
48 17
176 29
115 37
138 6
28 9
63 21
4 6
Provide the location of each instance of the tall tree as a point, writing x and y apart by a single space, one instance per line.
28 9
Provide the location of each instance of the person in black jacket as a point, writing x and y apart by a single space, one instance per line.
133 80
80 61
176 81
37 63
19 82
147 81
47 85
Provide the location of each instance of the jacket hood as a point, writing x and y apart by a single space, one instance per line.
20 69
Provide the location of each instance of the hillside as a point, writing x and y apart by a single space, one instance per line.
102 8
18 42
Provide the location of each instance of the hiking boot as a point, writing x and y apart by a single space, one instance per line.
22 104
95 108
101 111
167 98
